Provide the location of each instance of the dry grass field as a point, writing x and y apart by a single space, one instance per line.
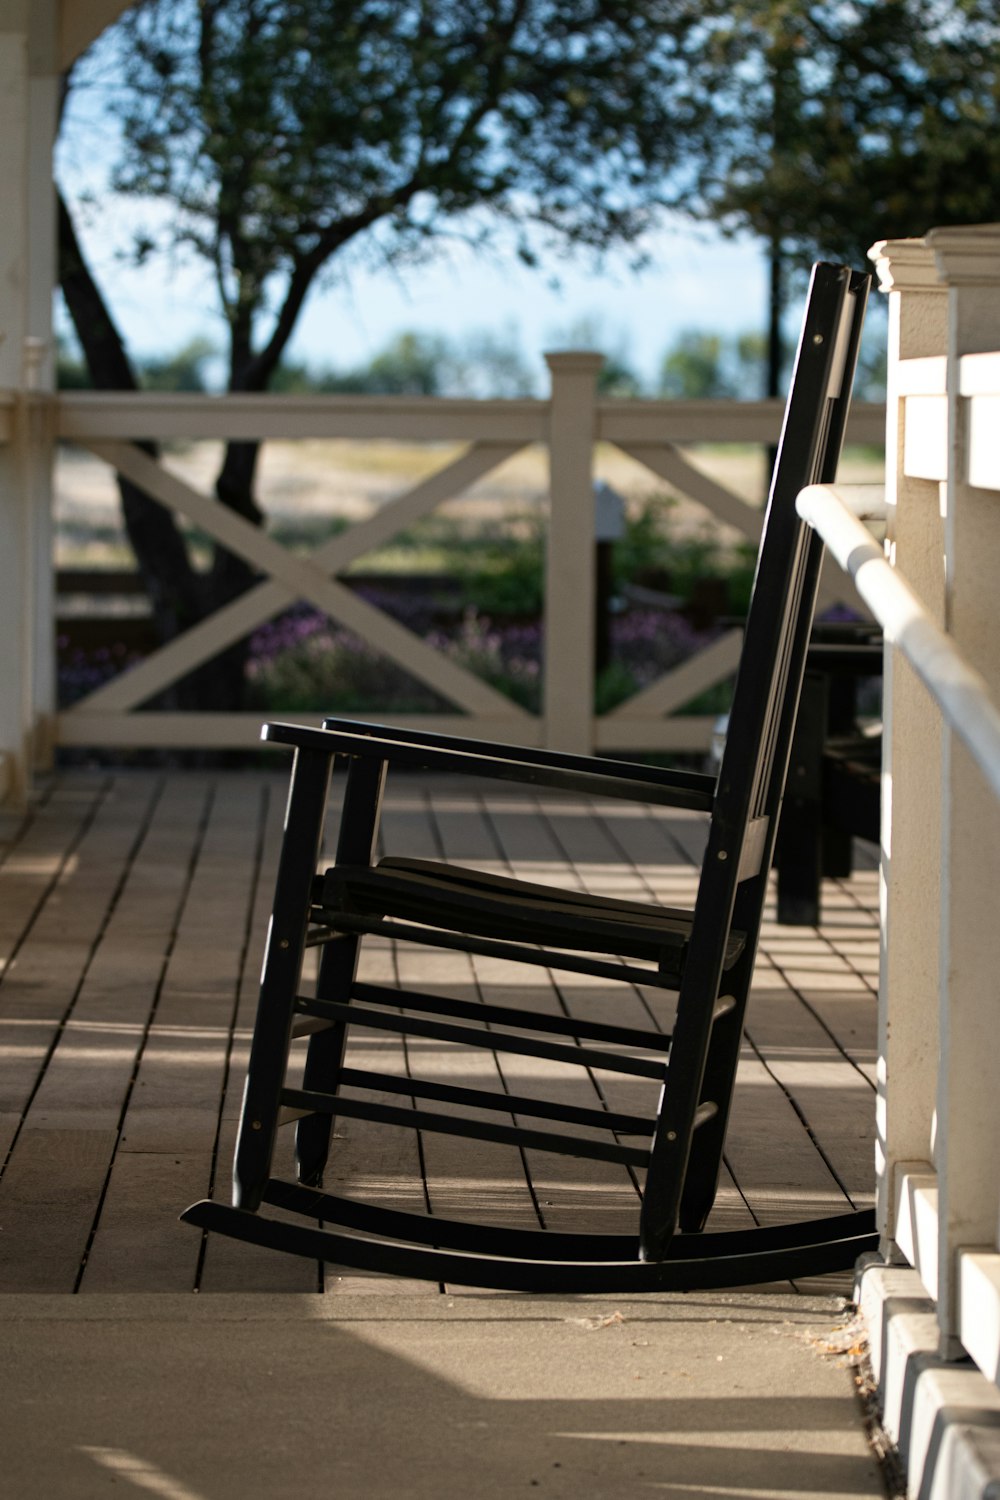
315 480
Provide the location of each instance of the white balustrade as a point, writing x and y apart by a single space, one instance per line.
570 424
935 591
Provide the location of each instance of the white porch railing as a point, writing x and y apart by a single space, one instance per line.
570 423
937 594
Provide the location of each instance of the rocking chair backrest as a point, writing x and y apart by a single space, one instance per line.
751 781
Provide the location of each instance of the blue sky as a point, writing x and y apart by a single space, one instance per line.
695 279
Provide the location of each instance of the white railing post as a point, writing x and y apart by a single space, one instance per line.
939 1105
569 561
968 1103
28 100
911 832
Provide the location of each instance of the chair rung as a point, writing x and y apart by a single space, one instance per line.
510 1104
477 1130
494 1041
503 1015
548 958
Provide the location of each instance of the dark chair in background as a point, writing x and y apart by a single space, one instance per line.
833 792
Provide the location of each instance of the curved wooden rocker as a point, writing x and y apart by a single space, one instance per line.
706 955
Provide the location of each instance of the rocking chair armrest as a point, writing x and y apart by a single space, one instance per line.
421 750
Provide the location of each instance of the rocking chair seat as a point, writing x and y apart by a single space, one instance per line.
454 898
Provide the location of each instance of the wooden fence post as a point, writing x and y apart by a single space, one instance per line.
569 560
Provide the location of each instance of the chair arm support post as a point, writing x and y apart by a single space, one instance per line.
280 974
356 842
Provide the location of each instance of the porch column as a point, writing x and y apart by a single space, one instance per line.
28 103
911 812
968 1100
569 558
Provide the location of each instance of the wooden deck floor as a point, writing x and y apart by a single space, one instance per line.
133 908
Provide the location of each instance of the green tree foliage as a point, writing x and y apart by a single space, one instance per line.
410 366
184 370
858 121
693 369
279 131
287 135
702 366
617 376
847 121
487 363
484 365
71 371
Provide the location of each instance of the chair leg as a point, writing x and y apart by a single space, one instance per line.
338 967
797 852
705 1159
282 968
324 1059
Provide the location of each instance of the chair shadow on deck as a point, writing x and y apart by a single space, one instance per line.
654 1073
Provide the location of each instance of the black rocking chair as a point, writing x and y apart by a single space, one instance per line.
706 955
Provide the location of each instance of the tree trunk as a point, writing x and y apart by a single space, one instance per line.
776 308
775 345
179 595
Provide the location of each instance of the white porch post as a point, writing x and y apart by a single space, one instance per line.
911 824
968 1103
28 98
569 565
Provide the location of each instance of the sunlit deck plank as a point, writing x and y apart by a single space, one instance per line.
137 912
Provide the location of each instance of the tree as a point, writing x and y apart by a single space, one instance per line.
616 377
701 366
482 364
285 134
693 369
184 370
847 121
487 364
409 366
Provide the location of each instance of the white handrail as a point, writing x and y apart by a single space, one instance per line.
958 688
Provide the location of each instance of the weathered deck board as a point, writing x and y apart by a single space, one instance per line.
569 1193
55 1180
167 1149
133 910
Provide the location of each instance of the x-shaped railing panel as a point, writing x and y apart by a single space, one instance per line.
294 577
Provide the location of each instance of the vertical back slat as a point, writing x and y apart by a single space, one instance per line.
732 889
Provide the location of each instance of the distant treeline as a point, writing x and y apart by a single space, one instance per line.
698 366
